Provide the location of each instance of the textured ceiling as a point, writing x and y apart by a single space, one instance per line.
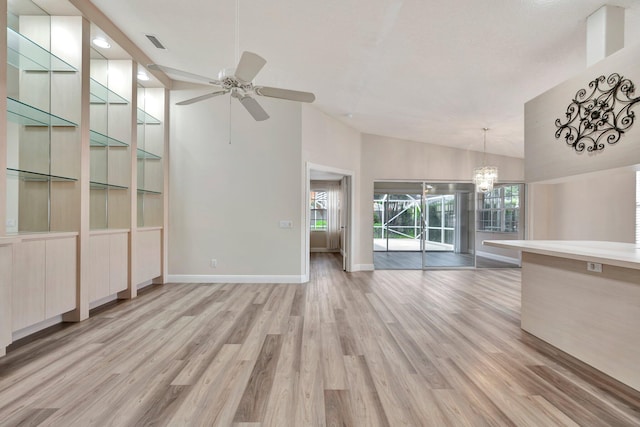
421 70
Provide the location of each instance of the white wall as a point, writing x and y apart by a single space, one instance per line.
227 197
597 206
385 158
549 158
331 143
581 196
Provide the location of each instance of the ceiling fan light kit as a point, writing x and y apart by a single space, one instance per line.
239 83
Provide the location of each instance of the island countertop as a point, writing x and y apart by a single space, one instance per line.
625 255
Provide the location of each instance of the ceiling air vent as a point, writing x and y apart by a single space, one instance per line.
155 41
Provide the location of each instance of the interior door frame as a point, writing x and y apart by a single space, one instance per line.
350 225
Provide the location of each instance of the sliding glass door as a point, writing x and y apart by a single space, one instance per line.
448 225
420 225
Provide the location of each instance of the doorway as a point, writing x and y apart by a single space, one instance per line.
329 213
423 225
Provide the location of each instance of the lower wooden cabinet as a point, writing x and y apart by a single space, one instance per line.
44 280
149 255
28 283
109 264
60 276
6 267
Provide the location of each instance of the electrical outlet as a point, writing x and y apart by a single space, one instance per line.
596 267
213 263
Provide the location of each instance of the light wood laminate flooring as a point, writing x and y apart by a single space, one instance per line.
383 348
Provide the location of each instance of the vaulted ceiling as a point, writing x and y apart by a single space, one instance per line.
422 70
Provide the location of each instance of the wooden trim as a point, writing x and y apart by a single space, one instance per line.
95 15
109 231
44 236
131 291
165 194
143 229
81 311
3 119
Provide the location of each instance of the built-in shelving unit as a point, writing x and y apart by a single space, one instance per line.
100 140
149 156
110 85
42 174
145 118
24 54
26 115
100 94
43 112
82 169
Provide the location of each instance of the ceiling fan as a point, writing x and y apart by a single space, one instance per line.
240 84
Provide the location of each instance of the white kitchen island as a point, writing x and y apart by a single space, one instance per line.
591 315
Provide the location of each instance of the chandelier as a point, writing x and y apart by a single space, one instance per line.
484 177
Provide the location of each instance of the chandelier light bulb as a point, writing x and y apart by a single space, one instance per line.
486 176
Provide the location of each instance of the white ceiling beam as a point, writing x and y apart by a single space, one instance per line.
605 33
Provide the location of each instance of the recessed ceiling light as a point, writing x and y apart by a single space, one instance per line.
101 42
143 76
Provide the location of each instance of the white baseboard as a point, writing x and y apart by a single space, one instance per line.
323 250
210 278
497 257
363 267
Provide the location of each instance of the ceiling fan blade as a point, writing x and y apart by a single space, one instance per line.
202 97
249 66
184 74
254 108
292 95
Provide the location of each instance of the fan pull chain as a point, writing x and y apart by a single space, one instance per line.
230 120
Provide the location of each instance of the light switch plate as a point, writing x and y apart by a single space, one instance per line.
286 223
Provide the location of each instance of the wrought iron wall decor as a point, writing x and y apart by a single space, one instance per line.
599 114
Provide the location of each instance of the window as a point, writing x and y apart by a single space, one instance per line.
499 209
318 210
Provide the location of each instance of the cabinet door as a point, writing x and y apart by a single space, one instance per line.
118 262
149 255
99 267
28 283
60 281
6 260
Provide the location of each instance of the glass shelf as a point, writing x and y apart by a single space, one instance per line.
147 156
101 140
36 176
24 54
102 186
143 191
146 118
100 94
24 114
